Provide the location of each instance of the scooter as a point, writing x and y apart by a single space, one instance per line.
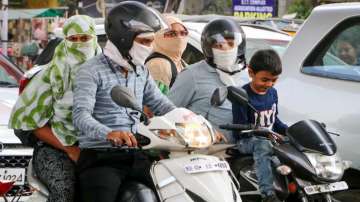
189 172
306 165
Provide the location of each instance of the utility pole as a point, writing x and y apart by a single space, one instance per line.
4 28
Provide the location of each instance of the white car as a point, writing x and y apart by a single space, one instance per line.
316 84
14 157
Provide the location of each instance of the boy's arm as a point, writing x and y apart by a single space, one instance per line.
239 116
279 126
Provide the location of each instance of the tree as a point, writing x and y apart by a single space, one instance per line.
301 7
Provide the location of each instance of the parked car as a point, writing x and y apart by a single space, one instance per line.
280 24
14 157
287 25
312 86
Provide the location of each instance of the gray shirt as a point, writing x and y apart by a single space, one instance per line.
193 89
95 114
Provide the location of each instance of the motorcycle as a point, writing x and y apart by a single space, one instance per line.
189 171
305 163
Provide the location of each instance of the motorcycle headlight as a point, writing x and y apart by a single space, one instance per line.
194 135
326 167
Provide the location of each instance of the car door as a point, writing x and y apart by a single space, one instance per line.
317 83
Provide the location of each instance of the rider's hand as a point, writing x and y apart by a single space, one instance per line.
148 112
73 152
277 137
119 138
220 137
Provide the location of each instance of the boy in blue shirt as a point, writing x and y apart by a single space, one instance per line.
264 70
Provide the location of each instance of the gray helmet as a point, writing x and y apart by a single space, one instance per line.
221 29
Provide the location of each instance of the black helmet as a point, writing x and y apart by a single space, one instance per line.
128 19
218 30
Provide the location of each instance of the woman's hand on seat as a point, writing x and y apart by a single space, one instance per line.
73 152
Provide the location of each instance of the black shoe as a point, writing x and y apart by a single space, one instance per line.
270 198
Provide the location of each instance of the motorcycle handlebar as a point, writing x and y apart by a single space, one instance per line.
249 128
141 140
238 127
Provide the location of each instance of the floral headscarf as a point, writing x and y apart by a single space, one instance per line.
48 98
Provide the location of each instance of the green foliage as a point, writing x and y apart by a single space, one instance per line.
301 7
221 7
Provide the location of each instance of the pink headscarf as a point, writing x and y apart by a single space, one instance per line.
171 47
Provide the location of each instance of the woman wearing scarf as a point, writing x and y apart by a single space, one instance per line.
45 107
168 45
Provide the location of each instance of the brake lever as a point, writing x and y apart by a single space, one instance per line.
246 131
332 133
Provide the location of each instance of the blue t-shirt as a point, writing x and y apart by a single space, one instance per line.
266 104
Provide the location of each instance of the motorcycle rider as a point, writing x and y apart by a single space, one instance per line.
223 45
129 27
44 109
165 62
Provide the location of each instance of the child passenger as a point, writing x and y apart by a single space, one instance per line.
264 70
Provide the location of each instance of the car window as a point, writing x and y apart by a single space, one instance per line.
338 54
102 40
253 45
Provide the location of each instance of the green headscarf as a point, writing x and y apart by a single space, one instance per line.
48 98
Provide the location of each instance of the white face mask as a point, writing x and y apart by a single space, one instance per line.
226 59
139 53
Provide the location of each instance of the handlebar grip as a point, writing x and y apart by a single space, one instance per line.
238 127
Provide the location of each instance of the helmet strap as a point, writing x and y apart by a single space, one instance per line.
231 73
129 60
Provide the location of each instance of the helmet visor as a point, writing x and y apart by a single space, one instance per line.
138 26
150 21
225 41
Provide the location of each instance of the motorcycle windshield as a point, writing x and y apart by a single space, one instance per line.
309 135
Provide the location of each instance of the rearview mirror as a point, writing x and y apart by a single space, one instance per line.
219 96
124 97
238 95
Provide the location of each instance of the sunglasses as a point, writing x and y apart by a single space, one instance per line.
173 33
79 38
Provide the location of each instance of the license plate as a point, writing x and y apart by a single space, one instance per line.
207 167
13 174
321 188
